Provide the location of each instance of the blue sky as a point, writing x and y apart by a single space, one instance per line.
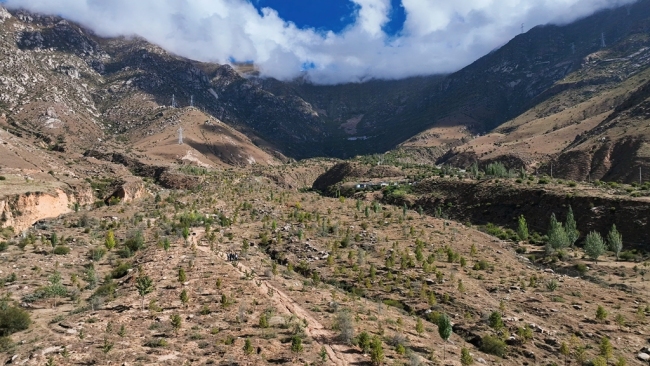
329 15
325 41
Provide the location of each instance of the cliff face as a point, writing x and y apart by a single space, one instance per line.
21 211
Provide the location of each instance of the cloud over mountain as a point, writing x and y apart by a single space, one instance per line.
437 37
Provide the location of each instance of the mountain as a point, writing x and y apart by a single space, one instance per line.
517 99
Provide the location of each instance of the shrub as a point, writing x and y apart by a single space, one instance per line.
481 265
135 241
121 270
3 246
345 326
97 253
495 320
61 250
493 345
12 320
156 343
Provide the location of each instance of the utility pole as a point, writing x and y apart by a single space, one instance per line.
180 135
640 177
602 40
573 48
551 170
522 28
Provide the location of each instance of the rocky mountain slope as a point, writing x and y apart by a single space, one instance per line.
548 86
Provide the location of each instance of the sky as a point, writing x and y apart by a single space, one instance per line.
325 41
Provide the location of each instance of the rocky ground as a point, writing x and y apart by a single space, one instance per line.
311 268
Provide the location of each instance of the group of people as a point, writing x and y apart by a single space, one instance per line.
232 257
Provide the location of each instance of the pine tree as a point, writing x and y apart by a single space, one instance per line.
185 298
522 228
376 351
296 344
182 277
601 313
571 228
110 240
557 237
444 330
564 351
176 322
248 347
465 358
615 241
606 348
144 285
264 321
594 245
419 327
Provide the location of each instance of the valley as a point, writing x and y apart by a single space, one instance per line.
156 210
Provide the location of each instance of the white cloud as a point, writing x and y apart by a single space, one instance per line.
439 35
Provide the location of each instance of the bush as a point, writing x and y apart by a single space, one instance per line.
581 268
61 250
3 246
121 270
12 320
2 177
481 265
493 345
135 241
345 326
97 253
156 343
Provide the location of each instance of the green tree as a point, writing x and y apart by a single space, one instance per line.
144 285
522 228
264 321
615 241
495 320
364 341
606 348
186 232
56 288
166 244
465 358
376 351
248 347
601 313
296 344
557 237
419 327
444 330
565 351
594 245
176 322
571 228
182 277
109 242
185 298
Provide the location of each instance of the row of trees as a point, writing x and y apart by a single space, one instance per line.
564 235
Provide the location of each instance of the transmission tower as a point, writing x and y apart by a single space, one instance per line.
522 28
191 101
173 101
602 40
573 48
180 135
